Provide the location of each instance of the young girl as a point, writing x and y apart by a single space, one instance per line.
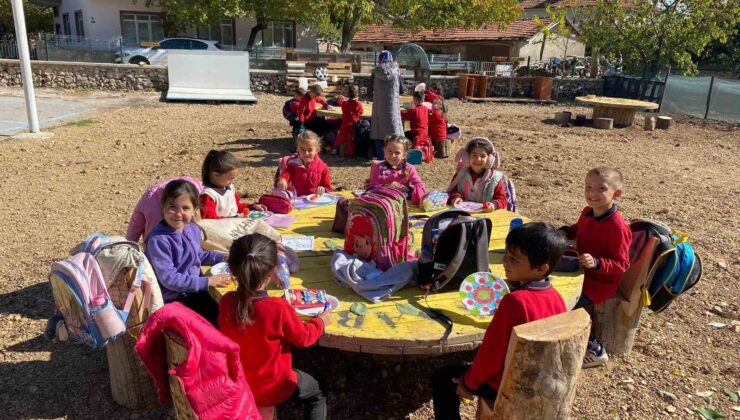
394 172
173 249
476 178
418 116
432 94
305 171
219 198
438 122
307 110
351 113
266 328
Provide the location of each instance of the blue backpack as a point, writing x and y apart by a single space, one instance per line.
288 114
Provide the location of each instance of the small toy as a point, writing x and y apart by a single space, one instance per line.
306 298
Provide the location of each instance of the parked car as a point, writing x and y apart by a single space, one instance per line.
157 53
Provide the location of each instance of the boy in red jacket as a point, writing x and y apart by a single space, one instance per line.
351 113
418 115
603 241
307 116
532 251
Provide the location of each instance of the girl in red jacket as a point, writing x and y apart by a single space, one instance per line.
266 328
438 122
351 113
219 198
305 171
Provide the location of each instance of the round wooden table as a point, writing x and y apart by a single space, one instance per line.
621 110
401 324
367 111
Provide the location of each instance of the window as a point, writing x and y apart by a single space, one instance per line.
57 29
197 45
279 34
141 27
55 9
175 44
65 23
223 33
79 24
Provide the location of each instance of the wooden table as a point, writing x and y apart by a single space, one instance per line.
384 329
621 110
367 111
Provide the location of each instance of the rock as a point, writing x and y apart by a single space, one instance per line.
722 264
670 409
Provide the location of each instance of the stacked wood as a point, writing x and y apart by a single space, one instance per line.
563 117
663 123
542 366
603 123
649 123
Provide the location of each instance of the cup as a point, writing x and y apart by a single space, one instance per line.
515 223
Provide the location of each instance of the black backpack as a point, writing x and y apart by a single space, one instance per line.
458 251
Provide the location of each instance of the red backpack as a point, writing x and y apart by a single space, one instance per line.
278 201
427 150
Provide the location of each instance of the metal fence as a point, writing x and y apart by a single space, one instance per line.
9 49
702 97
633 87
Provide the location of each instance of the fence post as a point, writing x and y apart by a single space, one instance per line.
46 46
120 48
662 93
709 97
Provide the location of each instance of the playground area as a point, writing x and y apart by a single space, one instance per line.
88 177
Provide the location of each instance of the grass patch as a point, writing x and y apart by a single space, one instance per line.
81 123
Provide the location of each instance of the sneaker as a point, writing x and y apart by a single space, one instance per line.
50 332
595 356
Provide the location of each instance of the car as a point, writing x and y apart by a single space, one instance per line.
156 53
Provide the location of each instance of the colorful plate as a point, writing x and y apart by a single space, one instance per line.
259 214
220 268
333 302
470 206
481 293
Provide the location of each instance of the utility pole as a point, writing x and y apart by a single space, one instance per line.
25 62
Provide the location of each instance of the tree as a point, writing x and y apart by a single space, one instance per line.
651 35
38 18
723 55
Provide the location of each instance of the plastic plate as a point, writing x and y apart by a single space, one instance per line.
481 293
333 302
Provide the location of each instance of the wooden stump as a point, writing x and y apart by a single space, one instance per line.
649 123
542 366
603 123
623 117
442 149
580 120
664 123
177 353
563 117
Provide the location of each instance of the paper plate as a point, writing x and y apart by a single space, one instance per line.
470 206
481 293
220 268
322 199
333 302
259 214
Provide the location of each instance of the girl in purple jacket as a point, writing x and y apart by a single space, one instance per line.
173 249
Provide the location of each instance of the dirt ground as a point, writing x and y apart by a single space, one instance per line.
90 175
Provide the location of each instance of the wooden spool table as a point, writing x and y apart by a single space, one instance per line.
385 329
336 112
621 110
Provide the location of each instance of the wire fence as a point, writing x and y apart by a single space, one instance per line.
702 97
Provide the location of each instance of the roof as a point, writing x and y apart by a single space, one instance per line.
388 34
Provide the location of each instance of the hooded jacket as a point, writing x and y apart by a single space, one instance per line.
386 106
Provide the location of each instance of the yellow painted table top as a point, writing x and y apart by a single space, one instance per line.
384 329
616 102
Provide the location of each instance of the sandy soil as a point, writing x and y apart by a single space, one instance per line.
90 175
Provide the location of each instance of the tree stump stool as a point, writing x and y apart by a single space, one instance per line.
603 123
663 123
442 149
649 123
542 366
562 117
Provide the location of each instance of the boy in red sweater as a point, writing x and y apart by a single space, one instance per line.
603 241
351 113
532 251
418 116
307 111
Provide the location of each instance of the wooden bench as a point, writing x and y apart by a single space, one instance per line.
542 366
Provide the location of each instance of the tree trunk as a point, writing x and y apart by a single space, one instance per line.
261 24
603 123
350 25
542 367
594 63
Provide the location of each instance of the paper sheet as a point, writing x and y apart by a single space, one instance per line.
299 243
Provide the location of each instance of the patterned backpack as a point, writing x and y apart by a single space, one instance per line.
427 150
380 216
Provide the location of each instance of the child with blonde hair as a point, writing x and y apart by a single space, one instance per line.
305 171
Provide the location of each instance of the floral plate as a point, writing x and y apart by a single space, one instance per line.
481 293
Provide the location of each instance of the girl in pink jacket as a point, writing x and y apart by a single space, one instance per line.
394 172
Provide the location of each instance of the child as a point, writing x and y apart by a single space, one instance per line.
418 115
394 172
351 113
476 178
532 251
307 111
219 198
290 110
432 94
173 249
305 171
438 122
266 328
603 240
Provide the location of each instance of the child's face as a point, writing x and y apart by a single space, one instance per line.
224 179
478 159
312 94
178 212
363 247
600 193
437 106
517 268
395 154
307 150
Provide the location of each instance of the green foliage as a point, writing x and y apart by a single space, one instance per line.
651 35
724 55
38 18
558 16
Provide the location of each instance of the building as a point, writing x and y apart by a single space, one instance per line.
135 23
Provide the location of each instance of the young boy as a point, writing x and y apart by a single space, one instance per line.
290 110
603 240
307 110
532 251
418 115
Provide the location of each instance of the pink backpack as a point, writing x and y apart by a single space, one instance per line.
279 200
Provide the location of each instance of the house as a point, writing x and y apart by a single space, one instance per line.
135 22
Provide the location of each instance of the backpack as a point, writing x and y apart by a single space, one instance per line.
453 252
382 215
340 215
278 201
425 145
510 194
288 114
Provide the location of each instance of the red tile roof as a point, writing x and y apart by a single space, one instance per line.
388 34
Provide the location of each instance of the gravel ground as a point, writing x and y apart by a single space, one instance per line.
90 175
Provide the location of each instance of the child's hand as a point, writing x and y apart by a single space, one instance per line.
326 317
587 261
282 184
456 202
320 190
460 391
259 207
220 280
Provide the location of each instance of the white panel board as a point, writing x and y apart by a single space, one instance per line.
209 75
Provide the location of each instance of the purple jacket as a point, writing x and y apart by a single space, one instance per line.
176 258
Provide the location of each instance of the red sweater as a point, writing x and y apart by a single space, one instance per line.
607 238
307 107
499 193
208 207
304 179
419 118
351 113
265 345
536 300
437 125
431 95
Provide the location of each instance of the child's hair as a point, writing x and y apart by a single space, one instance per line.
299 91
611 174
540 242
175 189
442 106
316 89
419 96
308 136
353 91
218 161
396 139
481 142
252 258
434 86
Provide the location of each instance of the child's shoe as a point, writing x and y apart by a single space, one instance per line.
595 355
50 332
